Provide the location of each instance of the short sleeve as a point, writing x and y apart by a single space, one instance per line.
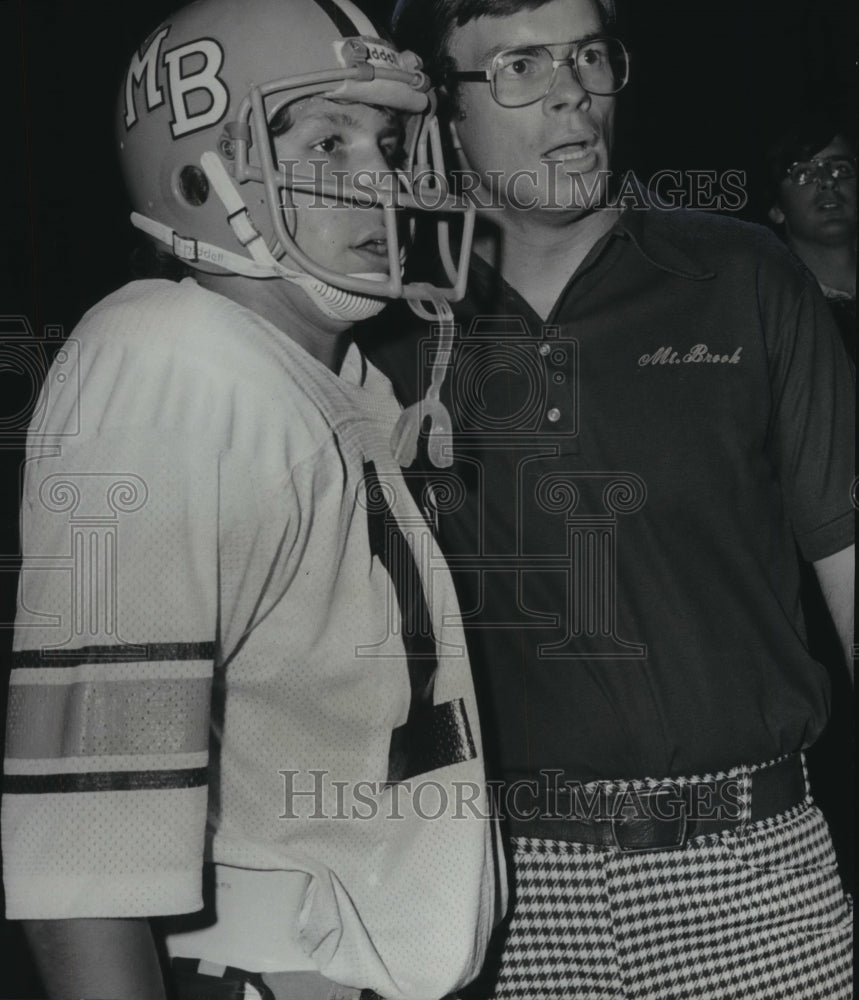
105 780
813 406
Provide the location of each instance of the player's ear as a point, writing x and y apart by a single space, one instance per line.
776 215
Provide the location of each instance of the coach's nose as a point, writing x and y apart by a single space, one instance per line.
565 91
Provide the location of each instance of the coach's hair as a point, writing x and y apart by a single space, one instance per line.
427 26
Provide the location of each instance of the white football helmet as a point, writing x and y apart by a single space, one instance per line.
197 155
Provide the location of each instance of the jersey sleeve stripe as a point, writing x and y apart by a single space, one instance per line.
121 762
163 716
64 657
104 781
104 672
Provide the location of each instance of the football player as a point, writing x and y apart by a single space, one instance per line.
240 687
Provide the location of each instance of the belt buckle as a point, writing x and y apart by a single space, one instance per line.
663 829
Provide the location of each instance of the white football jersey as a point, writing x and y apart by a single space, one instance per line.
236 637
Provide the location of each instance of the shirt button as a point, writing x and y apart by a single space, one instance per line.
554 414
544 349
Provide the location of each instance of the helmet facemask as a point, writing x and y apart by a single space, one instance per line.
198 158
418 186
245 160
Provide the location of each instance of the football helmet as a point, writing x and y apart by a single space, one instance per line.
193 130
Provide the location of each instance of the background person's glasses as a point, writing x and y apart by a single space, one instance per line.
837 167
520 76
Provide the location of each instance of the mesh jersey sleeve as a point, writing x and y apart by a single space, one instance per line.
814 399
105 775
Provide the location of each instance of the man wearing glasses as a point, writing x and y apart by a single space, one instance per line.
642 439
813 189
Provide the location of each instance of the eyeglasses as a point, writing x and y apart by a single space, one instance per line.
839 168
520 76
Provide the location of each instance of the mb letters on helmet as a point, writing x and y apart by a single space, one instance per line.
190 67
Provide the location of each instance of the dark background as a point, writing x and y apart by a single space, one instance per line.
711 83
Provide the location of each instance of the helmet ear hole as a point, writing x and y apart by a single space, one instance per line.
193 185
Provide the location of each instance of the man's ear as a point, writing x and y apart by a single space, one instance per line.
455 141
776 215
456 144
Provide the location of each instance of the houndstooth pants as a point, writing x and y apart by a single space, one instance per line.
753 914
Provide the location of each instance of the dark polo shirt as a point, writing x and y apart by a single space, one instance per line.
632 481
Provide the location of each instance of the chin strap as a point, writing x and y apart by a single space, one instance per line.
340 304
404 441
335 303
194 251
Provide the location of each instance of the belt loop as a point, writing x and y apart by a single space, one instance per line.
744 798
805 777
207 968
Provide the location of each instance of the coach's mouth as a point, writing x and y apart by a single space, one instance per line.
579 151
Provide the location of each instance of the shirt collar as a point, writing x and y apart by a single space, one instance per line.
650 230
835 293
655 240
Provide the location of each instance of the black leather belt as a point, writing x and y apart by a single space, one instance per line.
631 818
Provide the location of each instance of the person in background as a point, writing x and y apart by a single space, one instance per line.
812 188
811 191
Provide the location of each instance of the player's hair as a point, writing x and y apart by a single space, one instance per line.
427 26
284 118
149 259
